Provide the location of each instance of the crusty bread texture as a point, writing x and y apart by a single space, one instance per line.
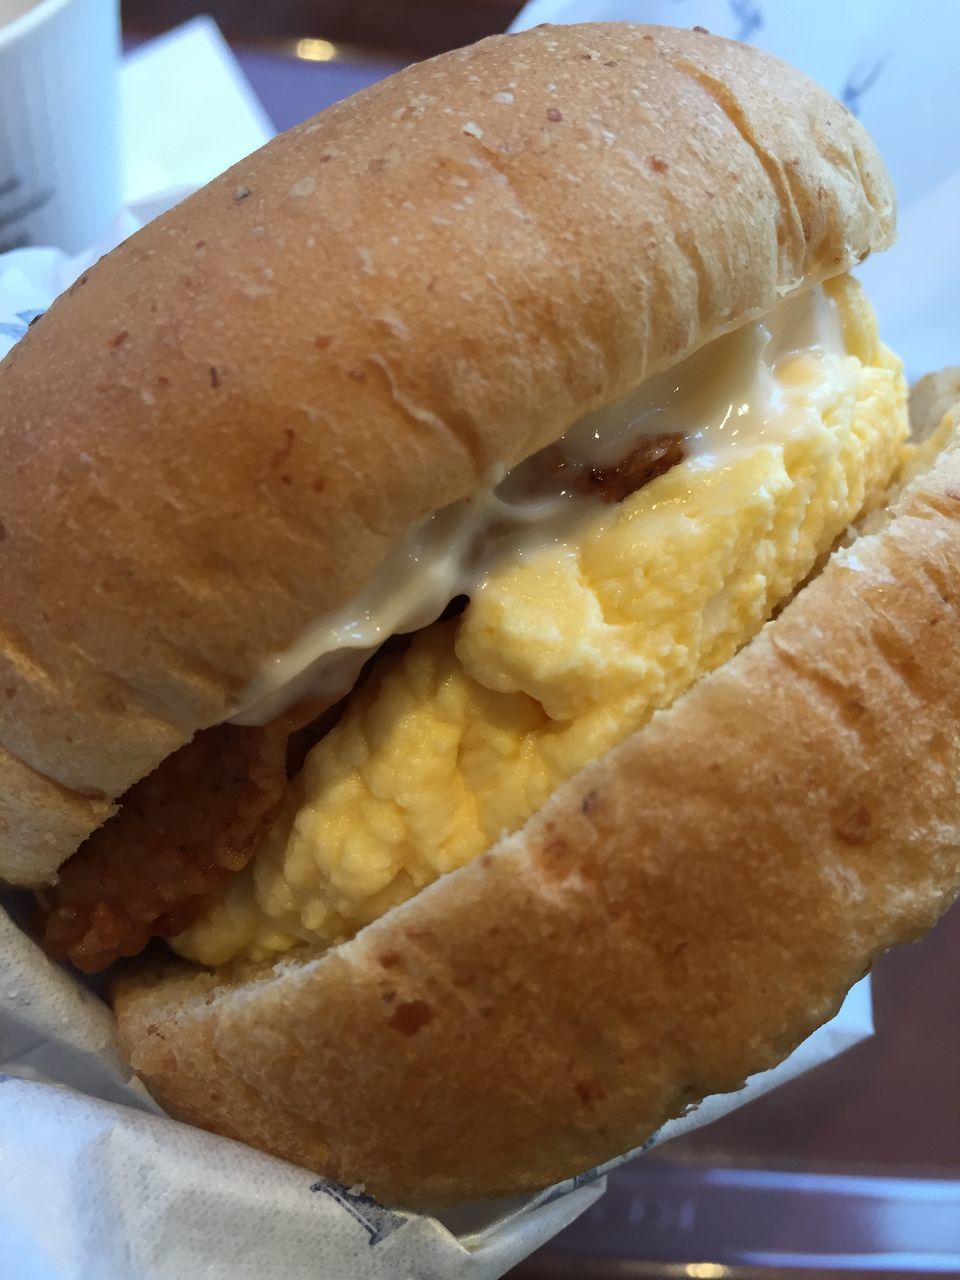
220 431
678 916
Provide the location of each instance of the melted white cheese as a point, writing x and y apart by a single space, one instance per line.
743 390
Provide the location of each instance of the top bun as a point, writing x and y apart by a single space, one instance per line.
218 433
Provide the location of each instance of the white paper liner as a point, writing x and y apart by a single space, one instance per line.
60 160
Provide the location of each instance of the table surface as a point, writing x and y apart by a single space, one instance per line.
884 1110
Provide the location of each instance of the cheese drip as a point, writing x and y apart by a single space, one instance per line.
731 395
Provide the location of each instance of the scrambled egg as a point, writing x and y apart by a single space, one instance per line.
561 655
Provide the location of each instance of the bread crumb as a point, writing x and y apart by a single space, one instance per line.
303 187
472 129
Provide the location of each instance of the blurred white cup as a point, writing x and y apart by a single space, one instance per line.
60 179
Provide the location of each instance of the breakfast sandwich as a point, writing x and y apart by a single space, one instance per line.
478 630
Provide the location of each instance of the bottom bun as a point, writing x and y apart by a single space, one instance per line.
680 915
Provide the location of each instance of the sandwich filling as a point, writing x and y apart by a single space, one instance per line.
567 648
603 577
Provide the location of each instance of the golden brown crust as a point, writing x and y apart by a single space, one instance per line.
255 394
678 916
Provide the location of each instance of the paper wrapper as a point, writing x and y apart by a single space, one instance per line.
60 160
96 1183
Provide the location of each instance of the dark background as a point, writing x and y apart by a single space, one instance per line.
411 28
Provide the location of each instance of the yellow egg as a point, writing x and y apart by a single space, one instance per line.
561 655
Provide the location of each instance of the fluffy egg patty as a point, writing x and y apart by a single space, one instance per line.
561 655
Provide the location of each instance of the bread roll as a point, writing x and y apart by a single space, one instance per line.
220 431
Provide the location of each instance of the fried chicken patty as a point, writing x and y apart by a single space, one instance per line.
178 836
